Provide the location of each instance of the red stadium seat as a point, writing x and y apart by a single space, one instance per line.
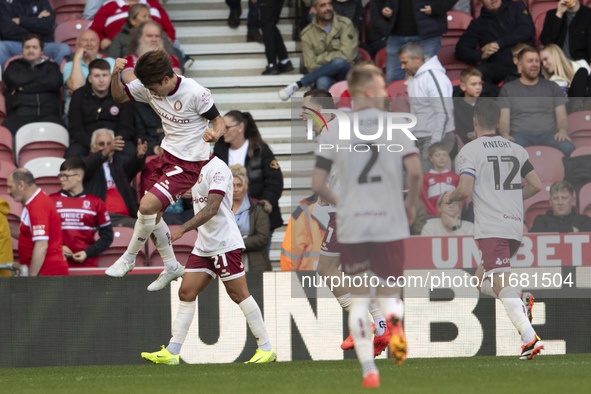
364 56
537 205
68 31
447 57
381 58
121 238
582 151
16 209
457 23
547 162
67 9
40 139
580 128
6 167
337 89
539 26
2 106
456 82
476 7
537 8
398 92
6 144
45 171
585 200
182 249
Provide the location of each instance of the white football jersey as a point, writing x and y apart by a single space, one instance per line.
220 234
495 163
371 203
180 112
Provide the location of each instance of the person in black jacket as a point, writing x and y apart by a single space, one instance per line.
21 17
242 144
574 22
108 175
561 218
489 39
32 87
93 108
402 21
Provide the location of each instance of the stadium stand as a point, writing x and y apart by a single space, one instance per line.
540 7
68 31
6 167
65 10
537 205
585 200
40 139
547 162
539 23
182 249
45 171
447 57
364 56
580 128
381 58
6 144
338 89
457 23
583 150
121 238
14 216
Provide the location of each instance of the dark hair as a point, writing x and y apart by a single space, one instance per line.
138 32
23 175
321 97
100 64
487 112
438 146
251 131
73 163
32 36
153 66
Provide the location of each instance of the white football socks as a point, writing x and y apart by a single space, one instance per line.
378 317
181 325
254 318
144 225
161 238
362 333
486 288
517 314
392 305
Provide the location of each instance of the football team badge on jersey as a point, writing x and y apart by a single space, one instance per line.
178 105
114 110
200 178
86 204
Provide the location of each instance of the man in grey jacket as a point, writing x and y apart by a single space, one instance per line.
430 93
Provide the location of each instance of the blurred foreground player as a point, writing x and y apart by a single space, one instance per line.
185 108
217 252
372 215
491 168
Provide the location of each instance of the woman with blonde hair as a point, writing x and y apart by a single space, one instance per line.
253 222
571 76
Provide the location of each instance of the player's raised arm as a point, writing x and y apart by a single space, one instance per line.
117 88
211 209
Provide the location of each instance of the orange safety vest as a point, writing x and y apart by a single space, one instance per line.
300 250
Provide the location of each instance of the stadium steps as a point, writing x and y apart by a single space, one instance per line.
231 68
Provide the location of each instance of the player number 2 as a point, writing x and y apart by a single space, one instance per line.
216 261
507 185
363 178
177 170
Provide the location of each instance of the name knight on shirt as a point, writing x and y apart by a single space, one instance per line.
496 144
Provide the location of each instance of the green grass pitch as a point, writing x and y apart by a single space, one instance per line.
543 374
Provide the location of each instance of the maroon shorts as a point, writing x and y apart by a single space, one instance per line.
227 265
383 258
172 177
496 253
330 245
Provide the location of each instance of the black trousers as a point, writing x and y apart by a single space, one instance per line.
270 11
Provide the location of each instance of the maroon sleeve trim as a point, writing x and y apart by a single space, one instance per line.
220 192
410 154
129 94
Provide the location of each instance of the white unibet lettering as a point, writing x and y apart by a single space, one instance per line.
470 252
232 336
368 137
420 312
395 148
526 251
452 252
508 339
404 127
285 300
544 251
325 147
577 250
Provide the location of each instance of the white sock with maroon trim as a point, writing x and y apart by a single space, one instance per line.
181 325
255 321
517 314
362 333
378 317
161 238
144 225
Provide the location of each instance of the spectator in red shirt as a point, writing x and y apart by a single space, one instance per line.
111 17
147 37
438 180
40 233
81 214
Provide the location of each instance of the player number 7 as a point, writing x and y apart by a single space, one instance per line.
177 170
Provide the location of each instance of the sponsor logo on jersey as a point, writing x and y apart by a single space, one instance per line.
114 110
199 200
502 262
86 204
178 105
218 177
206 97
200 178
